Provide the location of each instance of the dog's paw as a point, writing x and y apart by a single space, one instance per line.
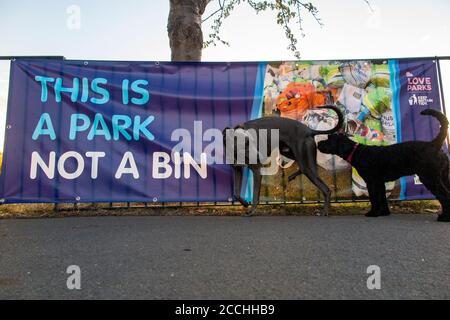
372 214
443 218
243 202
248 213
321 212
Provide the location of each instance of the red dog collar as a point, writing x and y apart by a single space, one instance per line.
350 156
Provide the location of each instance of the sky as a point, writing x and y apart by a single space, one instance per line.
137 30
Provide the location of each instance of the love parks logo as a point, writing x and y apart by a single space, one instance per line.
418 84
418 87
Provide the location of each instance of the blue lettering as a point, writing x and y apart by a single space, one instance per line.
44 90
99 90
95 131
73 91
142 127
121 128
40 130
142 91
125 84
74 127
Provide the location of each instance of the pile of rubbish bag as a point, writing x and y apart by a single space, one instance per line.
360 88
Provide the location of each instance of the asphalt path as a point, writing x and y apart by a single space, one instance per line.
288 257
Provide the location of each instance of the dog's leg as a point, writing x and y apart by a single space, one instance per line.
438 189
311 172
294 175
374 210
382 201
323 188
377 194
256 189
238 185
445 178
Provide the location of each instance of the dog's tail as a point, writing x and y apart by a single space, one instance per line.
440 138
339 124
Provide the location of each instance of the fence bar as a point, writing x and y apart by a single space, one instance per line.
162 205
329 59
32 57
441 88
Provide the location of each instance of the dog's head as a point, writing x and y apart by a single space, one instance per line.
335 144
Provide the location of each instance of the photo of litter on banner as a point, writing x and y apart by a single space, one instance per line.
380 99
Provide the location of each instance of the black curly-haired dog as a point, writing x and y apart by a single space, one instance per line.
377 165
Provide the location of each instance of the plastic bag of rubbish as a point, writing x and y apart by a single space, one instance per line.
388 126
332 75
378 101
315 72
380 75
270 95
357 73
297 98
370 133
303 69
351 97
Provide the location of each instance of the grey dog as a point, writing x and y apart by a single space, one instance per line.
295 141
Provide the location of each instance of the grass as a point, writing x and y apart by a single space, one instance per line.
18 211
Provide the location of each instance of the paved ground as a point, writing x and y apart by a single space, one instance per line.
225 257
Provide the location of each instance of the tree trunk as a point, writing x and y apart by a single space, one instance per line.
184 27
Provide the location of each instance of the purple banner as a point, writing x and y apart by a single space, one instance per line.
105 131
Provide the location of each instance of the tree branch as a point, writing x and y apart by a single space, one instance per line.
215 12
286 10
